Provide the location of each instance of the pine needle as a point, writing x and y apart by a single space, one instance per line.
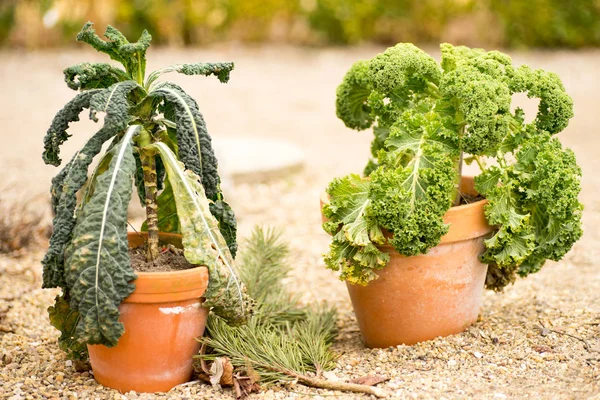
282 341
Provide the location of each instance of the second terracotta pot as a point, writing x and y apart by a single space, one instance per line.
435 294
162 318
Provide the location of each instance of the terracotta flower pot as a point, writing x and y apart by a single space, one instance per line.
162 318
435 294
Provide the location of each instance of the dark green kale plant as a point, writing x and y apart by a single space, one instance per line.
428 118
157 139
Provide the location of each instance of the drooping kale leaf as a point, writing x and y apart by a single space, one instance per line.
97 267
88 252
202 241
426 118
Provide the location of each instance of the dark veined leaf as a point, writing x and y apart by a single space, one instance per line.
64 201
195 150
220 70
63 318
225 216
98 269
131 55
194 143
203 243
57 133
65 185
87 76
88 35
113 101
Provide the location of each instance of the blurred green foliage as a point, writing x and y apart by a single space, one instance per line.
549 23
539 23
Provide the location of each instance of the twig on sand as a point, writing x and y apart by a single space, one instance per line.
586 345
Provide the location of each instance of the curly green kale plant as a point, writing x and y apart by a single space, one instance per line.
428 118
155 138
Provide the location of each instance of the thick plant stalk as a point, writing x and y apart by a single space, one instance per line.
148 159
459 169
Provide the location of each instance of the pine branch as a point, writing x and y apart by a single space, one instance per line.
282 341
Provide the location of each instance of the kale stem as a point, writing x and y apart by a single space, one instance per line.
459 169
148 158
480 162
140 73
433 90
457 195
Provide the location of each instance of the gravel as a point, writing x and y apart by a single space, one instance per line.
538 339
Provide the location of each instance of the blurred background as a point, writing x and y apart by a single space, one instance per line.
274 124
491 23
279 143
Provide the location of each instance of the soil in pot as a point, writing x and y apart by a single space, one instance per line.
162 318
170 258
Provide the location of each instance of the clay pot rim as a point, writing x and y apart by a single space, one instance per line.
161 286
466 221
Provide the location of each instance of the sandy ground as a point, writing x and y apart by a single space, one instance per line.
281 92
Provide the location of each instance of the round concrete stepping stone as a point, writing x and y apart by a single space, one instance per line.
256 160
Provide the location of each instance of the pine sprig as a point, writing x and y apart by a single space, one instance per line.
282 341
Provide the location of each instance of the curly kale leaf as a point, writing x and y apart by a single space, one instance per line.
57 133
407 195
551 176
203 243
87 76
98 270
475 89
403 70
414 187
353 249
220 70
351 97
556 106
63 318
535 207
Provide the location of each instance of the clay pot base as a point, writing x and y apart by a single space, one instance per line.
435 294
162 318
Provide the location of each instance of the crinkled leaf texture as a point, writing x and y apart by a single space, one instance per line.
57 133
406 195
353 251
131 55
220 70
87 76
425 116
196 152
98 269
535 206
63 318
203 243
113 101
